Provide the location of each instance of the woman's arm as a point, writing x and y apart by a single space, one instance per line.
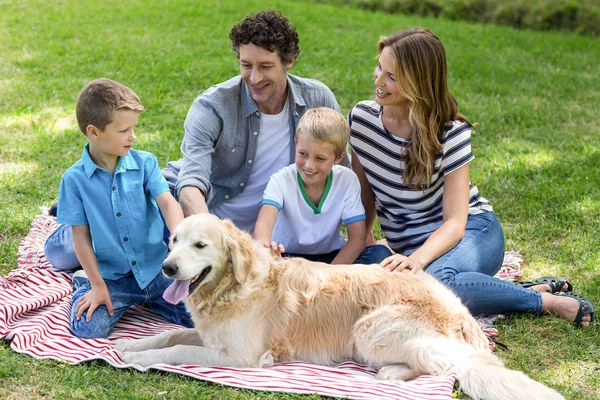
355 245
455 206
368 200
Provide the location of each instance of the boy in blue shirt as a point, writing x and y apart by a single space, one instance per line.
110 199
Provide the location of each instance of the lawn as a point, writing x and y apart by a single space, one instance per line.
533 95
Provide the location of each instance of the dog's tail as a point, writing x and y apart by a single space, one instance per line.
483 376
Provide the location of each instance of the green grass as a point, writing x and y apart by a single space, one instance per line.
534 95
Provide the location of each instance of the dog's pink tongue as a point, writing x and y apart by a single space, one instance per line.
177 291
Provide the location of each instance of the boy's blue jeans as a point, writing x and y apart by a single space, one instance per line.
371 255
124 293
469 268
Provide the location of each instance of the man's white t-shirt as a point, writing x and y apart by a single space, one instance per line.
307 228
272 153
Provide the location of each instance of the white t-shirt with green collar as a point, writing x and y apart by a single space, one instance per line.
307 228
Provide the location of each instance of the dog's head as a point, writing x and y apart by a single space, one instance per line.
205 249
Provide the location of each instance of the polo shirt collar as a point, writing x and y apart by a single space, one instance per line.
249 106
124 163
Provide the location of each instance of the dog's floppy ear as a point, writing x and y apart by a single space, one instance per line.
239 247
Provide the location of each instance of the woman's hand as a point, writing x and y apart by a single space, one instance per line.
398 262
91 301
277 249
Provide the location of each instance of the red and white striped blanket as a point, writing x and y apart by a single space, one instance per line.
35 301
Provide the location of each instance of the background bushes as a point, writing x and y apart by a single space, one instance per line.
580 16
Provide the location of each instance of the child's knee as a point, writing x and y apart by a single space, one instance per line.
380 252
95 329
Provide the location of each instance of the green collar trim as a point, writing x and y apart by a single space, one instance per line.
316 209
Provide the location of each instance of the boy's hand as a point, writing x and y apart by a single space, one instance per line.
277 249
91 301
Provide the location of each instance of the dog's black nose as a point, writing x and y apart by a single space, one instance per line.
170 268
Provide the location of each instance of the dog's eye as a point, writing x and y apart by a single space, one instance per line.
200 245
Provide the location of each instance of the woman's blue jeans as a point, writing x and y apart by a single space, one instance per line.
468 269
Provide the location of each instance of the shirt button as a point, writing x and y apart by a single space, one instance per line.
114 188
233 151
125 239
133 263
118 214
242 184
226 196
249 161
255 133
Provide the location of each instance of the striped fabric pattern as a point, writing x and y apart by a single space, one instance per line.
34 316
407 216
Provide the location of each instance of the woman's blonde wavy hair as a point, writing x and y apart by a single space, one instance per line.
421 77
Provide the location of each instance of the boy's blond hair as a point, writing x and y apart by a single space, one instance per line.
326 125
99 100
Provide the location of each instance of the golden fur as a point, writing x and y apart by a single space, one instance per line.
254 309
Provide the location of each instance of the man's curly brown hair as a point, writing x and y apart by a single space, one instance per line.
269 30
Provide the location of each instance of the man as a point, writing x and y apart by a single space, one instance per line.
239 132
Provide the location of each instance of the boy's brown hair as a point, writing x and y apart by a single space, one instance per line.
326 125
99 100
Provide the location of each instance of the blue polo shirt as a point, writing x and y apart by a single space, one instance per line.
124 220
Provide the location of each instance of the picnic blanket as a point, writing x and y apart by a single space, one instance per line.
35 304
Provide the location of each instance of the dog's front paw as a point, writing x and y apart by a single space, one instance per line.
124 345
137 358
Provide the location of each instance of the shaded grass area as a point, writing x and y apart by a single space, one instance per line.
581 16
533 96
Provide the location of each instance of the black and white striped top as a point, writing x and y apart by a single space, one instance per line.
407 216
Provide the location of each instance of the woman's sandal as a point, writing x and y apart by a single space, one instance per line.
585 307
556 284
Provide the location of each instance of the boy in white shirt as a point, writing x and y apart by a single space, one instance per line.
304 204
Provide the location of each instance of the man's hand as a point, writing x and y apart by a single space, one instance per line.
192 201
91 301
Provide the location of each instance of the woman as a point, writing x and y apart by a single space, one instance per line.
412 152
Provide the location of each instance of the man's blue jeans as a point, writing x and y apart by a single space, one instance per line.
469 268
124 293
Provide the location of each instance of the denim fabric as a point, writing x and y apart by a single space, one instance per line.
221 136
59 249
371 255
123 218
124 293
469 268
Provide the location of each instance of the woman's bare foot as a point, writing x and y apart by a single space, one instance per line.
545 288
564 307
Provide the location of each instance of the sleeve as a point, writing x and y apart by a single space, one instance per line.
353 208
330 100
456 148
155 183
203 125
70 203
274 192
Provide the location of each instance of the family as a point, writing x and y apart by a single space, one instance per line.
268 150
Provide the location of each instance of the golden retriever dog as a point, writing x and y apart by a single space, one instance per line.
252 309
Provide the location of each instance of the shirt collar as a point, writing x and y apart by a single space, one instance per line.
249 106
124 163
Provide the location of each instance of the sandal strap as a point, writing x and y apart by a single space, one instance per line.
585 307
556 284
